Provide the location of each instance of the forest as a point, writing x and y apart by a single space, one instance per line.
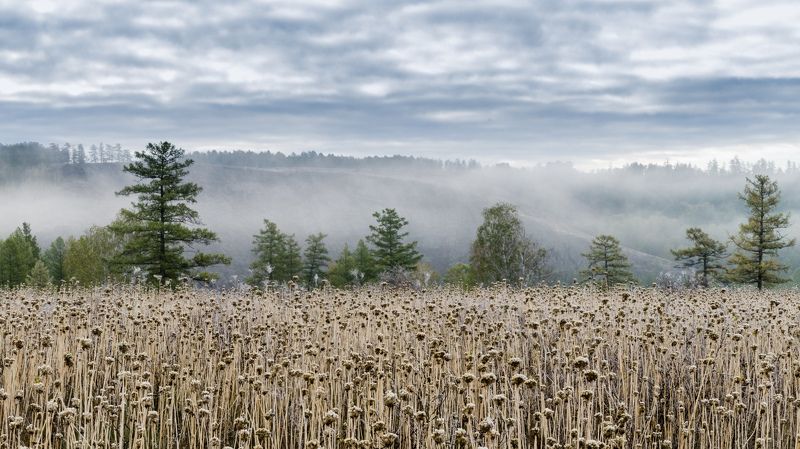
312 217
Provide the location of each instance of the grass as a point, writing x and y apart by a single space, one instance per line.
560 367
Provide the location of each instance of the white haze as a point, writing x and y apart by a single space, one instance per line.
562 208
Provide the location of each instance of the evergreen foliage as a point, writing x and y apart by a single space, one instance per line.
759 239
161 227
268 249
364 262
344 272
316 259
390 251
705 255
606 262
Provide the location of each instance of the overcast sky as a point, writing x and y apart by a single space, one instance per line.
594 82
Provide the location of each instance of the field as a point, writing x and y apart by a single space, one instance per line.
561 367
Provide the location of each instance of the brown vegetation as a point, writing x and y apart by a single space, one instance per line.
497 368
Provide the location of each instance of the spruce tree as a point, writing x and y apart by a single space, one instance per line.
316 258
606 262
760 238
161 229
705 255
268 248
390 252
291 261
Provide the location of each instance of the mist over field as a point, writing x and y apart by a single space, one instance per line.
648 208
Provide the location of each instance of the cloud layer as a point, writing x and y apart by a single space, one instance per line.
495 80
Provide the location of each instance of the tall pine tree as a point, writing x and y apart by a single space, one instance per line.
759 239
161 230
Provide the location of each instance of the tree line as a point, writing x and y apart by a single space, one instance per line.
157 239
32 154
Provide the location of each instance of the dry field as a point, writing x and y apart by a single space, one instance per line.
562 367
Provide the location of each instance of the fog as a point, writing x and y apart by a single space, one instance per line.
648 209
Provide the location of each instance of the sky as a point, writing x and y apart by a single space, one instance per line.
595 82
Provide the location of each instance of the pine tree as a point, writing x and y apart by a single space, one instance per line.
759 239
705 255
502 251
316 258
387 238
291 262
607 262
54 259
268 247
156 229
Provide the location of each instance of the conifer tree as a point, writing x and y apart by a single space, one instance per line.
291 261
390 252
343 271
606 262
364 263
161 229
760 238
268 248
705 255
316 258
31 239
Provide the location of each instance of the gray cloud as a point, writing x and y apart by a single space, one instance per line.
510 79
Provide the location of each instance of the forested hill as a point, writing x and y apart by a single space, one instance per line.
648 207
21 158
